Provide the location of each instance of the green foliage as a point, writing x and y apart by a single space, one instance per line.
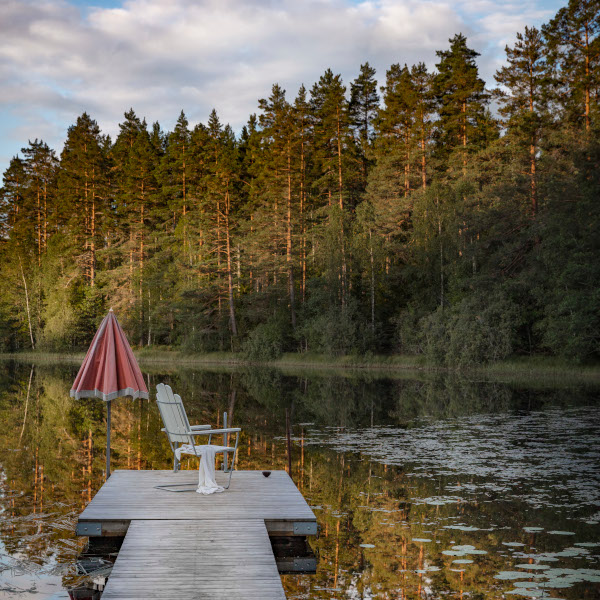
480 329
408 336
60 321
267 341
8 325
568 252
337 330
90 310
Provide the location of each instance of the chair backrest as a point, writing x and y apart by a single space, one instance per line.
173 414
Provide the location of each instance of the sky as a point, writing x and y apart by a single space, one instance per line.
59 58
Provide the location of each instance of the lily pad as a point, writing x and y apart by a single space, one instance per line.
510 575
562 583
462 561
546 557
570 552
533 593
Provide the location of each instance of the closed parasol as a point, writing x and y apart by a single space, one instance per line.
109 371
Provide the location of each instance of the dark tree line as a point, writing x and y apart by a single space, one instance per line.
429 215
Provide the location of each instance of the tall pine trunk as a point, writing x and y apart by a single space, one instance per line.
141 286
372 282
587 77
532 148
464 134
423 157
45 234
27 305
93 241
407 164
39 226
229 269
302 221
341 200
289 235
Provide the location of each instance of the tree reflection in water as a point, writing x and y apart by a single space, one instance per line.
399 518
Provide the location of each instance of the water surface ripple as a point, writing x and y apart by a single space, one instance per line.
543 458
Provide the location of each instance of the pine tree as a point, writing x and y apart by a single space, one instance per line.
574 44
218 212
142 179
249 151
396 125
278 174
14 216
83 190
18 251
404 128
336 170
41 169
424 115
363 106
303 138
157 139
461 98
523 101
334 149
147 210
175 179
122 234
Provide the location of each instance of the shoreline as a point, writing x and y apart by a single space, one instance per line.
548 370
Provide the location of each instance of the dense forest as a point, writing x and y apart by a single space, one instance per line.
425 215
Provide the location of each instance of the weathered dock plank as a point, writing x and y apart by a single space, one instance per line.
217 559
131 495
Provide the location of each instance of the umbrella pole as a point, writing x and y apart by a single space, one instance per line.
108 439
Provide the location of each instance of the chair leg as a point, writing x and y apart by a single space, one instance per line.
229 480
231 467
175 464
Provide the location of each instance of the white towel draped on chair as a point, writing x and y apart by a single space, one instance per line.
206 471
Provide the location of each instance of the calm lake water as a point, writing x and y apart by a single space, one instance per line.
438 487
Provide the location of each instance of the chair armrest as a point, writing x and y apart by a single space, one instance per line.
216 431
198 427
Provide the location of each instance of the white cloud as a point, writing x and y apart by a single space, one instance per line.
161 56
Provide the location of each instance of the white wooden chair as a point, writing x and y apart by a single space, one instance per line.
179 431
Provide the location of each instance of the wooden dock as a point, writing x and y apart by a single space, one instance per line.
187 545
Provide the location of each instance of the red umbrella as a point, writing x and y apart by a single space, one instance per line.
109 370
